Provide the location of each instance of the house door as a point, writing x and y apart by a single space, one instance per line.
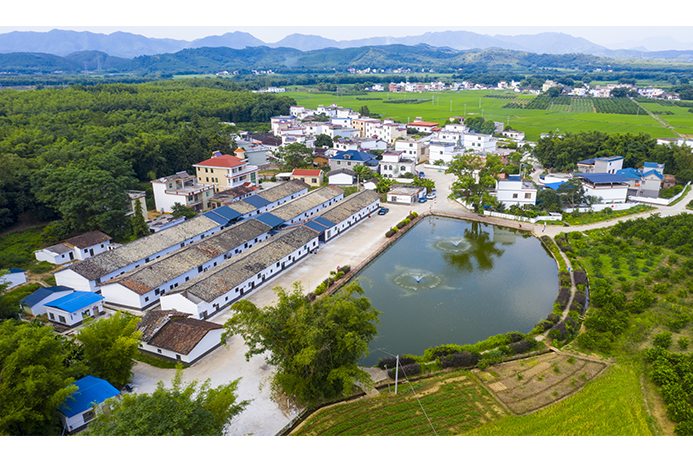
91 252
72 257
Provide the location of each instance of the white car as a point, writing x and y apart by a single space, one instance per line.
431 196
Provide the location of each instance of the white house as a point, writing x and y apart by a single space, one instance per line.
442 150
611 188
76 248
86 275
304 207
203 297
479 142
338 218
142 287
341 177
394 165
14 278
79 408
644 182
70 310
183 189
514 135
515 191
405 194
416 150
36 302
601 165
174 335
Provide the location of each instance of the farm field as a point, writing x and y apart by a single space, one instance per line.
437 108
610 405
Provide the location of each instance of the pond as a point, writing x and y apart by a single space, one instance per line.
455 281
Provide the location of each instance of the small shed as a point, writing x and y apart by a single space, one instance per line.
36 302
71 309
80 407
14 278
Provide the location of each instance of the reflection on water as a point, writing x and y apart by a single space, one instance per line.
452 281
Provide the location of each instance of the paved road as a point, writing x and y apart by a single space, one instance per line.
263 416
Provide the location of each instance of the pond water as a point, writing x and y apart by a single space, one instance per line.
455 281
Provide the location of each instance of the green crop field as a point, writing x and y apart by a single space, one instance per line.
441 106
611 405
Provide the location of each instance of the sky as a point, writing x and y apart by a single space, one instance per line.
604 23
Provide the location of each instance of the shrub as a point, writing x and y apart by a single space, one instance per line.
391 232
564 279
392 361
553 317
321 288
522 346
442 351
515 336
684 342
461 359
310 296
580 278
345 269
663 339
406 371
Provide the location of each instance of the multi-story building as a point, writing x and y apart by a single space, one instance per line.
394 165
225 172
181 188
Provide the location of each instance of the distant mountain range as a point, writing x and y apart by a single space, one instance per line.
127 45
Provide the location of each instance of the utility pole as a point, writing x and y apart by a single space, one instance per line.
396 372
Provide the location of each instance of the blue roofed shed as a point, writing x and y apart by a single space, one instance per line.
78 409
36 302
256 201
73 308
269 219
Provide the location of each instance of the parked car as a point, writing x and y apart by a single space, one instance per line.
423 199
431 195
421 174
383 211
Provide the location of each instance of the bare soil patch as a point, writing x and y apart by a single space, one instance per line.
530 384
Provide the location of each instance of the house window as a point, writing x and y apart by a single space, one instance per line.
158 350
61 319
528 195
514 195
157 292
52 316
146 299
314 180
89 415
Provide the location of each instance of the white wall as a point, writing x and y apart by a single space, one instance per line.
208 342
356 218
72 319
56 259
40 308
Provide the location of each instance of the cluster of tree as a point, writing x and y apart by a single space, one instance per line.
315 345
480 125
563 151
475 189
38 367
71 153
671 232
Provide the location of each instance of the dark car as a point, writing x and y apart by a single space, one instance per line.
383 211
423 199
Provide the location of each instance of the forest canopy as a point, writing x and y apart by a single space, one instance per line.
71 153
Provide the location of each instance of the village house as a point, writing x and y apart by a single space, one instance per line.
513 190
310 176
395 165
76 248
71 309
302 208
204 297
226 172
611 188
135 197
405 194
644 182
80 407
183 189
142 287
350 159
600 165
416 150
341 177
13 278
174 335
86 275
36 302
333 221
420 125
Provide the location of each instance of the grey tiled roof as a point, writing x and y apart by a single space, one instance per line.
102 264
306 202
174 331
283 190
155 273
234 272
87 240
348 206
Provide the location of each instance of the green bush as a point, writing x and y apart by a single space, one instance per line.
391 232
663 339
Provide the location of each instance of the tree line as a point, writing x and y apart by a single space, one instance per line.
71 153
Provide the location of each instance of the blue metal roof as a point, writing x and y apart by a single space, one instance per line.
216 217
554 185
91 391
602 177
256 201
227 212
629 173
42 293
315 226
16 270
651 165
269 219
359 156
324 221
514 178
75 301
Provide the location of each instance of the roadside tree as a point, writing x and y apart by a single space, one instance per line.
315 345
475 180
110 346
182 410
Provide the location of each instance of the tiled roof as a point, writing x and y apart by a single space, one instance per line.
306 202
59 248
306 172
88 239
181 335
348 206
285 189
105 263
234 272
155 273
225 161
346 171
